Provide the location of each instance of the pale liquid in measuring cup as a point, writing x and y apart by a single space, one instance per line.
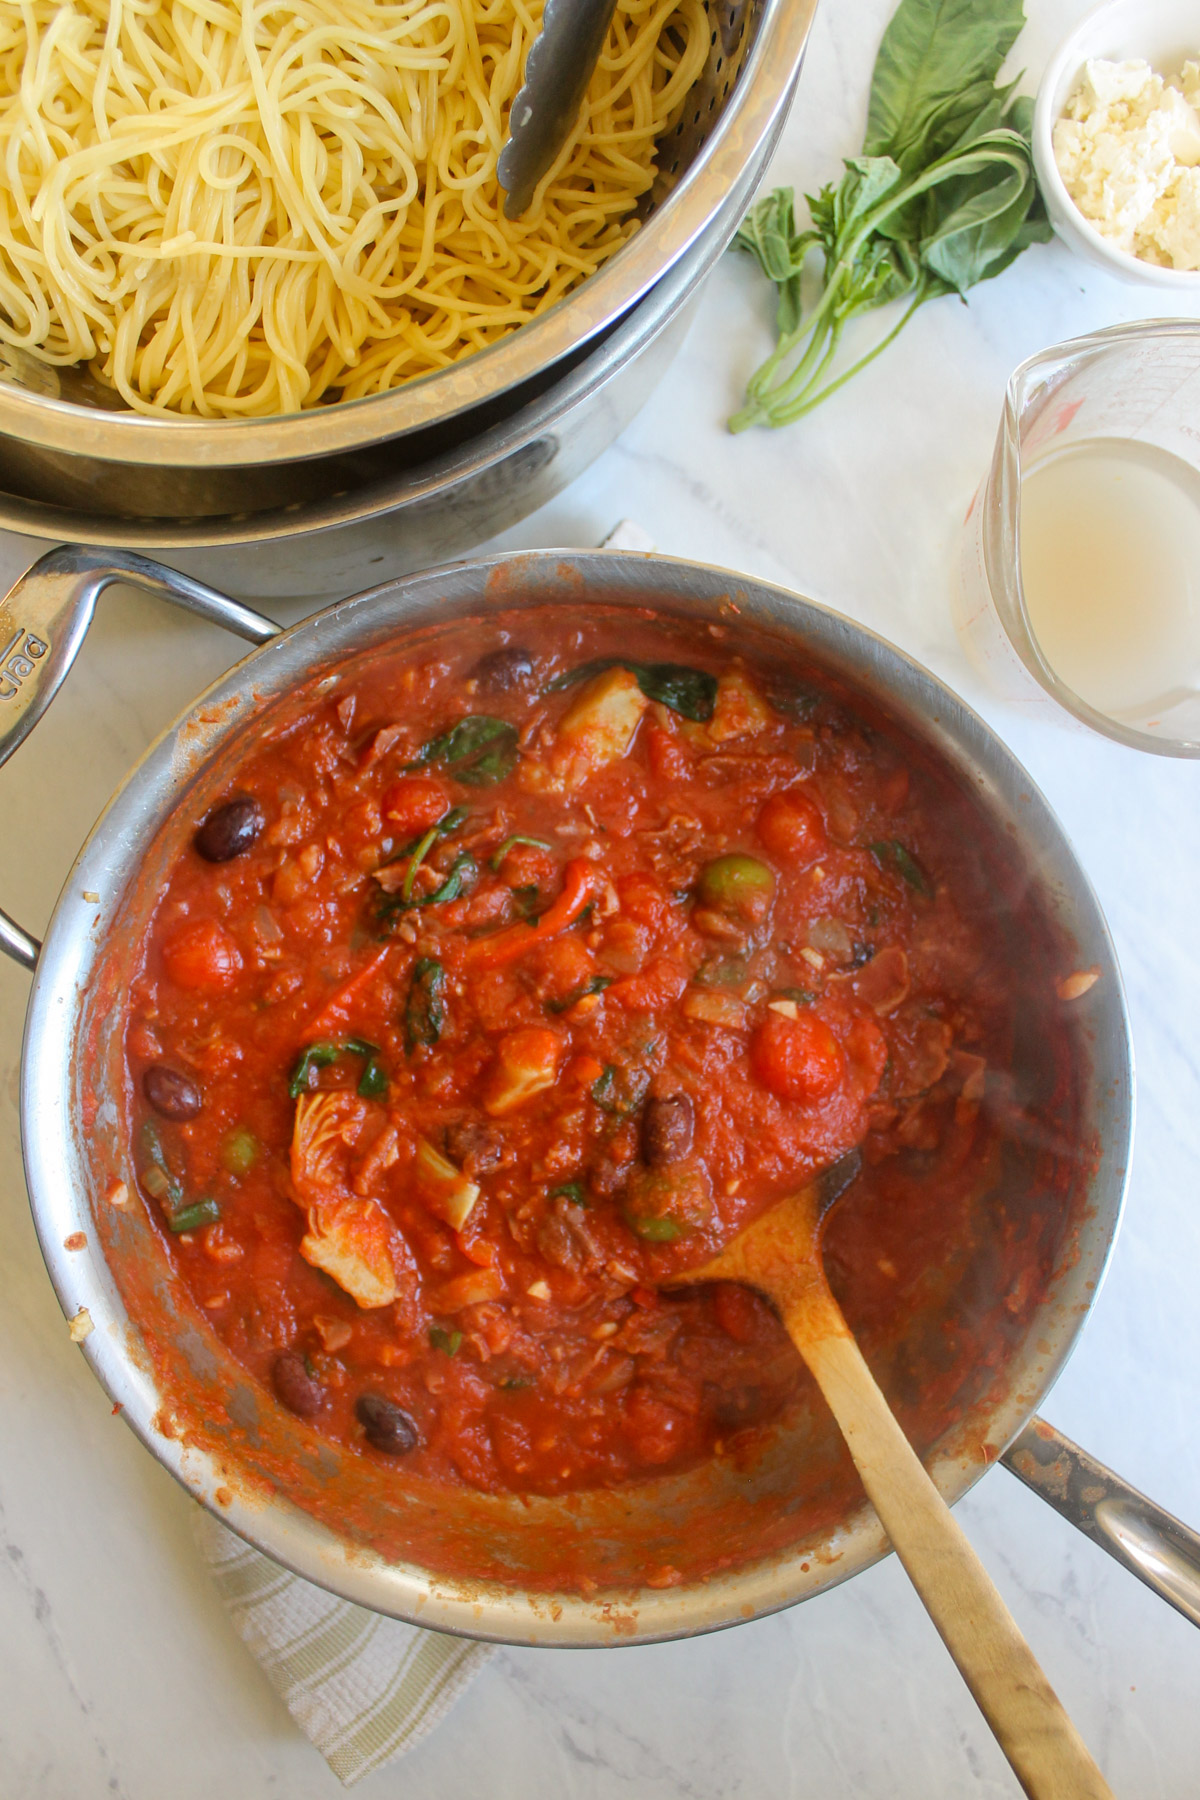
1110 565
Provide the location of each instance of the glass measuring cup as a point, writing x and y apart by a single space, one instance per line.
1080 589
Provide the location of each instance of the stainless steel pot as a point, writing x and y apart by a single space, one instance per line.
339 538
271 1477
470 447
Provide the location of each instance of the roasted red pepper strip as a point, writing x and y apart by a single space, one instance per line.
505 946
334 1009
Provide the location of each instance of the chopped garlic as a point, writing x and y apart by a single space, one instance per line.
1128 149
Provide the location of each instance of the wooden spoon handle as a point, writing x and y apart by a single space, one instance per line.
1047 1754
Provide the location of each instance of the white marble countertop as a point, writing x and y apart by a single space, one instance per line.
119 1674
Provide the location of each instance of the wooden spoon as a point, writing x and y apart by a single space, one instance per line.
780 1256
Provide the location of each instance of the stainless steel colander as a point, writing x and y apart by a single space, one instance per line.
74 461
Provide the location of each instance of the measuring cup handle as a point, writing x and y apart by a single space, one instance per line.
43 621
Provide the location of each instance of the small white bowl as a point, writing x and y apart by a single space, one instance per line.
1164 33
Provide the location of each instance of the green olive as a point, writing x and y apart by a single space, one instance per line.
740 883
660 1204
239 1150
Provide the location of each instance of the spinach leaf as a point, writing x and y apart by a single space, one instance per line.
479 750
425 1008
690 692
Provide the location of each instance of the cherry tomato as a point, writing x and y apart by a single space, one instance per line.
790 824
415 802
644 898
798 1059
660 983
202 956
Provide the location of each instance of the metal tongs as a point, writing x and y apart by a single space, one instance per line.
558 69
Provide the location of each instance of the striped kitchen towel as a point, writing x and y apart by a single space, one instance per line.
361 1687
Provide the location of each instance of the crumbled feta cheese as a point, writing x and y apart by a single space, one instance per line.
1128 149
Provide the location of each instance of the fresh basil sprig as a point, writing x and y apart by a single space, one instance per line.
690 692
478 750
942 196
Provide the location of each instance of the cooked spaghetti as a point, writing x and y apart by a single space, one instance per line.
235 208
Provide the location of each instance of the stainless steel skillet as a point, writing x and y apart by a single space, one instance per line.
148 1347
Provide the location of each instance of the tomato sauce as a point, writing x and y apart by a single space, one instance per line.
509 977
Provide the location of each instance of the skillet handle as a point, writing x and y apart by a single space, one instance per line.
1150 1543
43 621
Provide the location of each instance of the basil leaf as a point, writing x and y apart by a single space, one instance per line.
689 692
510 843
479 750
768 233
596 985
447 823
158 1180
373 1084
425 1008
942 196
387 907
620 1091
527 899
572 1191
936 58
320 1055
317 1056
892 853
445 1340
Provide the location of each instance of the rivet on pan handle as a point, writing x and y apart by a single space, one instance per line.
43 621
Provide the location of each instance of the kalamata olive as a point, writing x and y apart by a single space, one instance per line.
668 1127
388 1426
230 830
739 882
502 669
474 1146
171 1093
300 1392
